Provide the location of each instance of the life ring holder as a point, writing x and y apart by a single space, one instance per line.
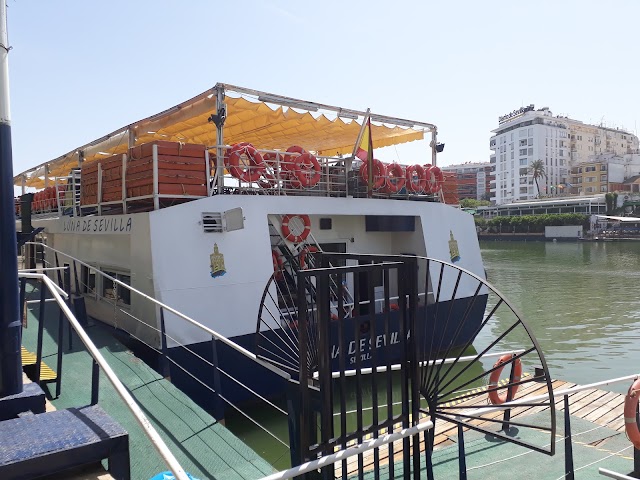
398 173
286 231
494 397
254 169
421 184
630 406
379 173
270 174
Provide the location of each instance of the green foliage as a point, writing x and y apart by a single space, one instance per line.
536 223
473 203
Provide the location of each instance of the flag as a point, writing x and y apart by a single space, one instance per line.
366 145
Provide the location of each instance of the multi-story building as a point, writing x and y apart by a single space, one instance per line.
527 135
473 179
603 173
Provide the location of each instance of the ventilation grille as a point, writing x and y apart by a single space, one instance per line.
212 222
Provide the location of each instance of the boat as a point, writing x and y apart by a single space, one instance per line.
215 205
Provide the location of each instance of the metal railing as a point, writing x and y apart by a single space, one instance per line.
170 363
99 360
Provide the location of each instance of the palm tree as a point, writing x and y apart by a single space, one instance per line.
536 169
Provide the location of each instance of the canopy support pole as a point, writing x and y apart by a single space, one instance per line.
434 146
221 115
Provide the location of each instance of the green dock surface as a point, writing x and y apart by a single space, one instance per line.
204 447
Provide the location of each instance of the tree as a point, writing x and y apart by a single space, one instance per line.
536 169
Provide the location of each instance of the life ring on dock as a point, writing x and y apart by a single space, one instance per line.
630 406
416 179
286 231
494 397
307 170
278 264
379 173
435 178
394 172
303 255
253 170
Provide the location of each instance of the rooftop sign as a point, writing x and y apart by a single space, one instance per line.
515 113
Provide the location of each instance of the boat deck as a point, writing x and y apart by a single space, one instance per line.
203 446
597 429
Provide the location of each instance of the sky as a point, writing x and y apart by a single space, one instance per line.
82 69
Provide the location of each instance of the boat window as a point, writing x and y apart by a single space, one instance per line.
88 280
112 291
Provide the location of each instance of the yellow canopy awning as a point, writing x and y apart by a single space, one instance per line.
255 122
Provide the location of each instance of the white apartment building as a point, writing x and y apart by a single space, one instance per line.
526 135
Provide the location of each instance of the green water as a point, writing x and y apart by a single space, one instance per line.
581 300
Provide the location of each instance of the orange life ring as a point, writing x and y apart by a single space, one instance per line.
379 172
416 179
307 170
270 174
286 231
494 397
394 171
278 263
435 178
289 162
256 166
303 255
630 405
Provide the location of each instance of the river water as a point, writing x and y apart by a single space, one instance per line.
582 301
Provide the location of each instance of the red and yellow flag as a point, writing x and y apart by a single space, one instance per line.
366 145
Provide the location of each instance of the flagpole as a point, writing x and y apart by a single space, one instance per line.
10 325
361 133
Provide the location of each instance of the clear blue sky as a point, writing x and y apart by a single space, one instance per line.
81 69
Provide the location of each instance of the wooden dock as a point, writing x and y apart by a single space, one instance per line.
599 407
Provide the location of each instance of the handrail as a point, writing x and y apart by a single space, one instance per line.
349 452
23 274
148 429
566 391
616 475
211 332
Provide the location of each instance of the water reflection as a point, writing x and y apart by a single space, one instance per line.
580 300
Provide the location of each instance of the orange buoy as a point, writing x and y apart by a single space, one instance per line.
394 172
278 263
379 172
303 255
253 170
630 407
286 231
494 397
307 170
416 179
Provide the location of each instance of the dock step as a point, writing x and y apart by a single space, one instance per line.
46 373
52 442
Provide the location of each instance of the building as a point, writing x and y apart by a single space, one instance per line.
588 205
604 173
473 179
526 135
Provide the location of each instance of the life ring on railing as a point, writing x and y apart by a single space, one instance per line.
303 255
416 179
307 170
394 171
494 397
435 178
379 172
286 231
630 406
289 162
253 170
278 264
272 161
